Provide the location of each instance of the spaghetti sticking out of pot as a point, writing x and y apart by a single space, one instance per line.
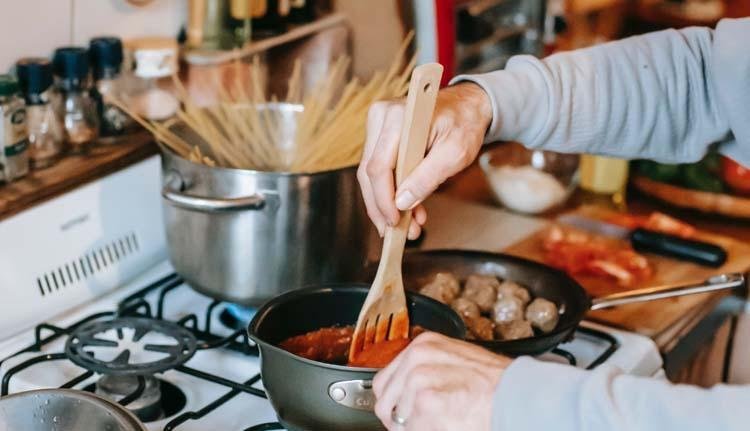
241 132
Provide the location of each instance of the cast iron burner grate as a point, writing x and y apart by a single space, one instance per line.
176 348
135 307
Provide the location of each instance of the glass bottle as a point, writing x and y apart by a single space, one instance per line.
76 106
301 11
106 57
45 130
155 63
13 132
269 17
604 181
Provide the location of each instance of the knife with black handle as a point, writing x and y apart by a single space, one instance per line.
702 253
699 252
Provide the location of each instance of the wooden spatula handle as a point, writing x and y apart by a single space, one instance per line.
420 104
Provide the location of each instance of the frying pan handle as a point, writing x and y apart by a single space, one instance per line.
355 394
173 192
718 282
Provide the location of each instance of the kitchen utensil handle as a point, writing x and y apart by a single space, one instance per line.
420 104
174 194
718 282
355 394
699 252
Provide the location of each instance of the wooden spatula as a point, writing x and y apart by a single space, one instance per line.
384 315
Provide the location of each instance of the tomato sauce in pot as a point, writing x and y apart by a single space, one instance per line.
331 345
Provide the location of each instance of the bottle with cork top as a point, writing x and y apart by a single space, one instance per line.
45 130
77 107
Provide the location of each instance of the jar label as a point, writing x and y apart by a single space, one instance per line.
17 148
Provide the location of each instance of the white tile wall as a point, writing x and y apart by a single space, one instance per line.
37 27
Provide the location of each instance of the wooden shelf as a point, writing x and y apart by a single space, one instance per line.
72 172
204 57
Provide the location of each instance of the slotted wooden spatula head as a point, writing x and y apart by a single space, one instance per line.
384 315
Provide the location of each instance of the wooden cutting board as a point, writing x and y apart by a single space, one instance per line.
661 319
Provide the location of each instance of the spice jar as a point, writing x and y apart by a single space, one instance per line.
155 63
14 156
45 130
77 107
106 59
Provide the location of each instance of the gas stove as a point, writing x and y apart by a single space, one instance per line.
110 290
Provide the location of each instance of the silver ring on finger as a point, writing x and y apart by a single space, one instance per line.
396 418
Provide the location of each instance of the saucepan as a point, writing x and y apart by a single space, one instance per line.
64 410
311 395
543 282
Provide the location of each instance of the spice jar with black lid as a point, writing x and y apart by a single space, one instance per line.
269 17
106 60
77 107
14 141
45 129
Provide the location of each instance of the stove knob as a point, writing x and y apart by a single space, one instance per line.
338 394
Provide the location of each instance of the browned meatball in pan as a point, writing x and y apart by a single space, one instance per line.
466 308
507 310
481 328
482 289
542 314
514 330
509 288
444 288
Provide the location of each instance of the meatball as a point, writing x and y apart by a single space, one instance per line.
444 288
542 314
466 308
514 330
509 288
507 310
481 328
482 289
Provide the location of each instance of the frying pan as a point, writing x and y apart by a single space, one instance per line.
544 282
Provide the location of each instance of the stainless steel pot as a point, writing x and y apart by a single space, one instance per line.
245 236
64 410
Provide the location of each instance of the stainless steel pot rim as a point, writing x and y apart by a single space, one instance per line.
255 171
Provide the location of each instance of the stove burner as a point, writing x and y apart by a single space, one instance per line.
170 402
106 346
236 316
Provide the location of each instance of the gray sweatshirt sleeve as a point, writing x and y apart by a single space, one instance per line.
665 96
535 395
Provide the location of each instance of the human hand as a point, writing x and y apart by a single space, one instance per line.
462 115
439 383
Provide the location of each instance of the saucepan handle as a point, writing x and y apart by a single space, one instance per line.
174 193
718 282
355 394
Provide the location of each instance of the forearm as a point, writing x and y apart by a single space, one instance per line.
648 97
537 396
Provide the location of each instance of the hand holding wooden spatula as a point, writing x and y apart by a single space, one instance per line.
384 315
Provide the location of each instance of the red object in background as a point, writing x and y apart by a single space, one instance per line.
445 23
735 175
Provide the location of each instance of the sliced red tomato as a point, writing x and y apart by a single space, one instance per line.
735 175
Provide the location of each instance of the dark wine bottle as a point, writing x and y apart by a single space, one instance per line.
269 17
302 11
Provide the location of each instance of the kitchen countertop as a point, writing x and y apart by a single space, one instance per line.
699 322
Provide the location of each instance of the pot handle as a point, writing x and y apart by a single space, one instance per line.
173 193
717 282
355 394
